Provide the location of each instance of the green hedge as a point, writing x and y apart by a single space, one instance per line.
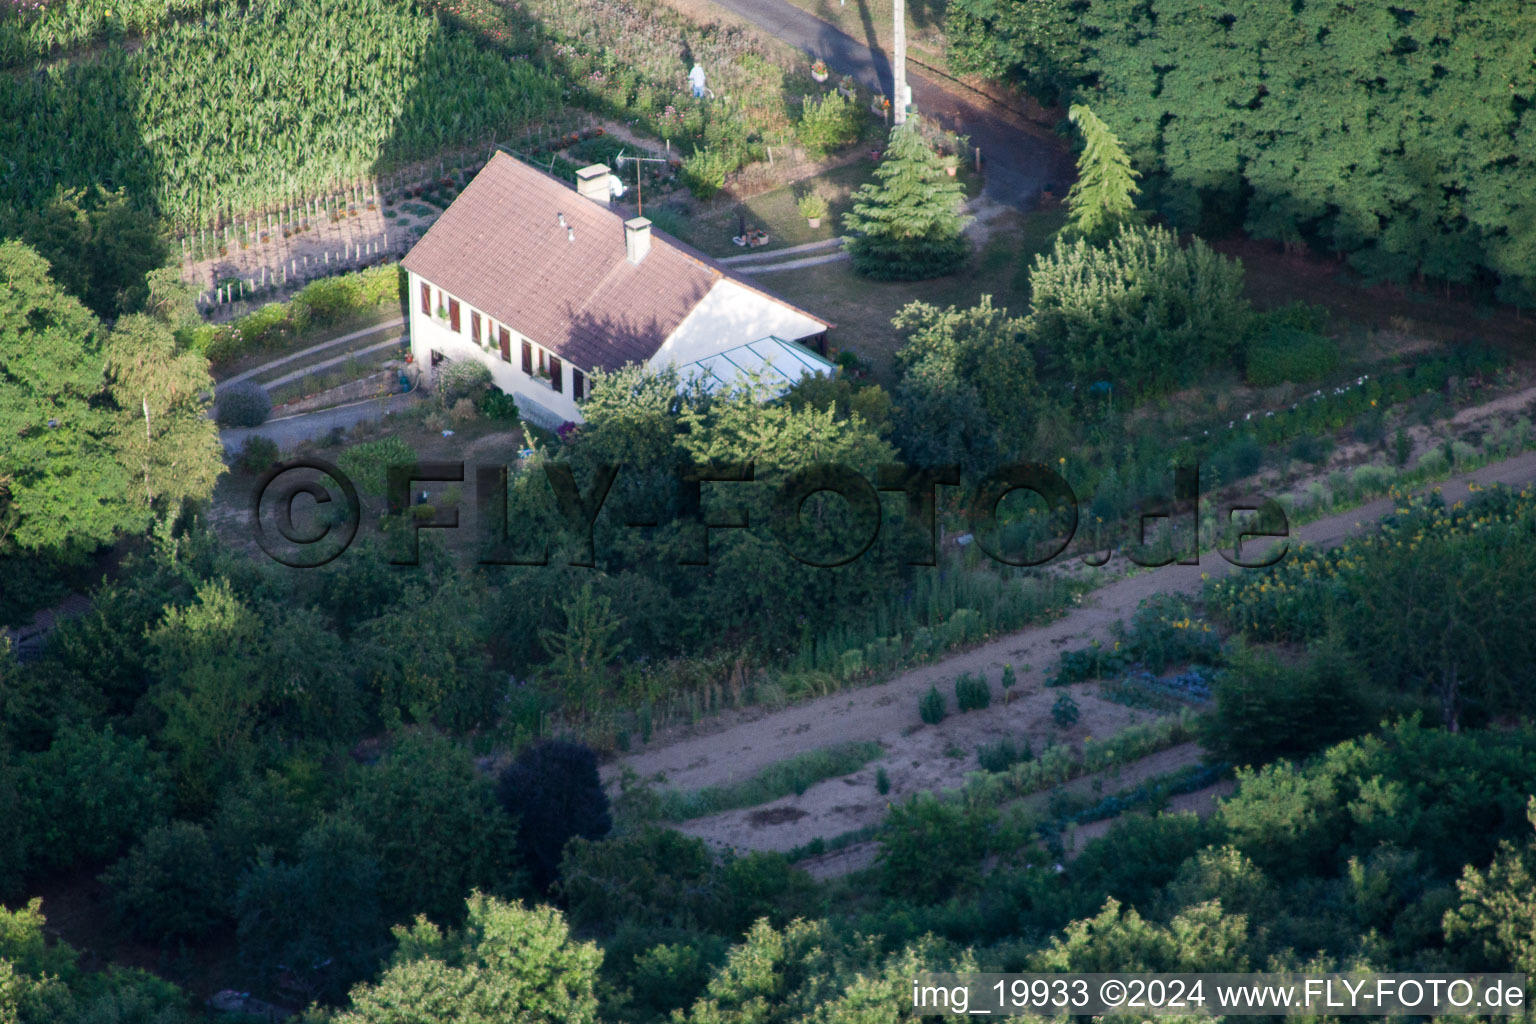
322 303
1284 354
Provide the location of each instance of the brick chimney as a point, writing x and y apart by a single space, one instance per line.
637 238
592 182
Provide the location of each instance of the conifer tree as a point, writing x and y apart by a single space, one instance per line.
1104 197
906 225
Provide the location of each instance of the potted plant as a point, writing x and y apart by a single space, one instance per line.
813 207
819 70
442 313
846 86
950 163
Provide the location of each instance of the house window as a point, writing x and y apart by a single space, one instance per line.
528 358
453 315
426 298
474 327
578 384
506 345
554 374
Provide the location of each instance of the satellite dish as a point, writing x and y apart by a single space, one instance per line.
615 186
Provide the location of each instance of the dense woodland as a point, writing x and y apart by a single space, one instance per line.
1396 136
372 789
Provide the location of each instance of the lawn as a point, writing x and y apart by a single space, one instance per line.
862 309
709 227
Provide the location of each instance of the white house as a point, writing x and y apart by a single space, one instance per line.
544 285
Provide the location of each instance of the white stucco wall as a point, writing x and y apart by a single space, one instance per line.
430 334
729 316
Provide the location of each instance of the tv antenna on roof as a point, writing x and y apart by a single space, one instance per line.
637 160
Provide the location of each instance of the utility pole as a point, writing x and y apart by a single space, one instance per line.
899 65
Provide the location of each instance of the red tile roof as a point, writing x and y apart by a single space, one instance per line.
500 248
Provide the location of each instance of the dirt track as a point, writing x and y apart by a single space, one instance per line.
736 745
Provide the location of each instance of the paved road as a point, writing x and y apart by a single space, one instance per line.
309 426
1018 160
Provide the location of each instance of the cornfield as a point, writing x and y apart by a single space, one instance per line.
31 29
246 107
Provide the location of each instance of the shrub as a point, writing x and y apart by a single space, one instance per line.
1008 678
496 404
464 411
972 692
1370 427
368 463
1142 310
317 919
1284 354
931 706
1312 448
928 847
704 172
812 205
1064 712
1402 447
169 886
554 792
1266 710
87 795
1002 755
882 782
435 827
461 379
243 405
257 454
828 124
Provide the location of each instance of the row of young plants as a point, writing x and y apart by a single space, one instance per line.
321 303
1062 763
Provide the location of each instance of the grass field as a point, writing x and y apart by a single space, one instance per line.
862 309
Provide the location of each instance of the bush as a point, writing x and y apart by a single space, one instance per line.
496 404
554 792
317 919
1009 679
460 379
1002 755
931 706
435 826
170 886
257 454
1142 310
1286 354
972 692
882 781
368 463
928 847
1064 712
88 794
1312 448
704 172
812 205
243 405
1266 710
828 124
